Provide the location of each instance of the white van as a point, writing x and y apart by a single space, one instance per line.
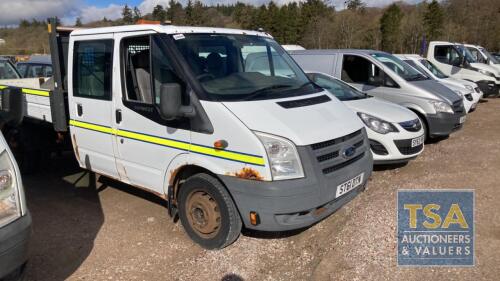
483 56
384 76
468 90
221 123
455 60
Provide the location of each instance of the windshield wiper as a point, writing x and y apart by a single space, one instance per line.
416 77
265 90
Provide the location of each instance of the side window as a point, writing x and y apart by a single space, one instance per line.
92 69
7 71
36 71
447 55
356 69
47 71
146 68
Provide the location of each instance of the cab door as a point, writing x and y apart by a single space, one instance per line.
90 102
145 143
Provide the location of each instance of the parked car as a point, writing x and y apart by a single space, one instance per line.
36 66
207 122
384 76
468 90
456 60
395 133
292 47
15 219
483 56
7 70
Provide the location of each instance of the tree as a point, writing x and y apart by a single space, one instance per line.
137 14
390 23
159 13
127 16
175 12
433 20
355 5
78 22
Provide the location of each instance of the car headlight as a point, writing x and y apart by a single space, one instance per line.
10 207
440 106
486 72
283 157
376 124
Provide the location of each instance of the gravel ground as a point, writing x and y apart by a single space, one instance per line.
116 232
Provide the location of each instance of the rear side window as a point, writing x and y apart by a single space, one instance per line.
447 55
92 69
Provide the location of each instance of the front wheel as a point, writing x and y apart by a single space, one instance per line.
207 212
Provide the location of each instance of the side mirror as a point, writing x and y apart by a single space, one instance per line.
12 107
376 81
171 102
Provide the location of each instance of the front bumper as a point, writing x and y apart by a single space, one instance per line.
393 148
14 240
293 204
489 88
443 124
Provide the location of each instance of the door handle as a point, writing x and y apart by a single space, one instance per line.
79 109
118 115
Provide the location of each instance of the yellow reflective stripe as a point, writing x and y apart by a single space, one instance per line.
155 140
2 87
228 155
93 127
36 92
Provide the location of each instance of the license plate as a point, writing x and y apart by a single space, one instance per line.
417 141
349 185
462 119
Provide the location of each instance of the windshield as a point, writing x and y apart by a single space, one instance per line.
7 71
430 66
399 67
339 89
489 56
469 57
242 67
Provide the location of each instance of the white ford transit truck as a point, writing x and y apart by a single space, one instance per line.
221 123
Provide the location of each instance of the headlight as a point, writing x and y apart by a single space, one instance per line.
469 87
10 208
376 124
440 106
486 72
283 157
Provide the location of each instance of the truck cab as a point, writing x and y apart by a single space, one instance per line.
483 56
221 123
456 60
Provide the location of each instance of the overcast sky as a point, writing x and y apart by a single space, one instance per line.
90 10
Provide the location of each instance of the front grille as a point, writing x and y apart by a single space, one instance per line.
468 97
412 125
458 106
378 148
404 147
330 154
324 144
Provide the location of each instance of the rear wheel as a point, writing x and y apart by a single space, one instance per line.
207 212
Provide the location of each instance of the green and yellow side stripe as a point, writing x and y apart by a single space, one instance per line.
29 91
176 144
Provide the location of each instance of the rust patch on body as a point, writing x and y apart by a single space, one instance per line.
75 148
249 174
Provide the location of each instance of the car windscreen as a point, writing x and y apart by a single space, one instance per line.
430 66
469 57
233 67
399 67
339 89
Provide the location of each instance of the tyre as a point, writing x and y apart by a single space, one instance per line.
207 212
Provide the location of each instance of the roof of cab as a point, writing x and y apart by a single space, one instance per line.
168 29
334 51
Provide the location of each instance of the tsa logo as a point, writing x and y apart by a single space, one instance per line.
435 228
